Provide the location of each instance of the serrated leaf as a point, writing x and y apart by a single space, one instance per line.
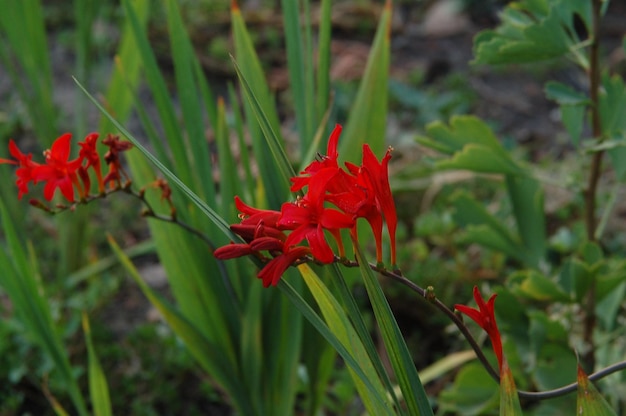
463 130
589 402
483 228
482 159
532 31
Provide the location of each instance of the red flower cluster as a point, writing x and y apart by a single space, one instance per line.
59 172
485 317
358 192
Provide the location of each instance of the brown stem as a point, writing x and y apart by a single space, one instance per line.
589 323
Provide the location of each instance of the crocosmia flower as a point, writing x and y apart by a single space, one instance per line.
485 317
356 192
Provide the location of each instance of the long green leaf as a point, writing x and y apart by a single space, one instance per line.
398 352
210 356
207 210
98 387
20 279
261 114
344 345
378 403
273 141
368 116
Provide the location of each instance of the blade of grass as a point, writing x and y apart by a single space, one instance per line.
98 386
378 403
20 279
263 126
375 392
368 116
299 67
323 59
207 210
401 361
211 357
272 140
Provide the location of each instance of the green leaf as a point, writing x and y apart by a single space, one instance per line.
463 130
482 159
209 355
527 201
403 366
261 114
367 382
531 32
98 387
565 95
483 227
573 118
473 393
368 115
588 401
509 400
535 285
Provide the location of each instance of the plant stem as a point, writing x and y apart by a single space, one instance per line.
588 358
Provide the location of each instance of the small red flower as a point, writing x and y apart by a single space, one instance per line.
25 168
272 272
89 152
112 158
59 172
485 317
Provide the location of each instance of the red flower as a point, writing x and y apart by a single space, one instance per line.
89 152
25 168
272 272
308 218
112 158
377 175
58 171
485 317
329 160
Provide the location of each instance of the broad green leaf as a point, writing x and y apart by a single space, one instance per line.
370 388
368 115
403 366
573 118
509 400
529 33
482 159
535 285
463 130
484 227
98 387
589 401
473 392
565 95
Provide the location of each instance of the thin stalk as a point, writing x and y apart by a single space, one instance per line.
588 358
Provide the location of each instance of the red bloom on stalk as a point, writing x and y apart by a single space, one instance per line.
485 317
25 168
58 171
89 152
308 218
